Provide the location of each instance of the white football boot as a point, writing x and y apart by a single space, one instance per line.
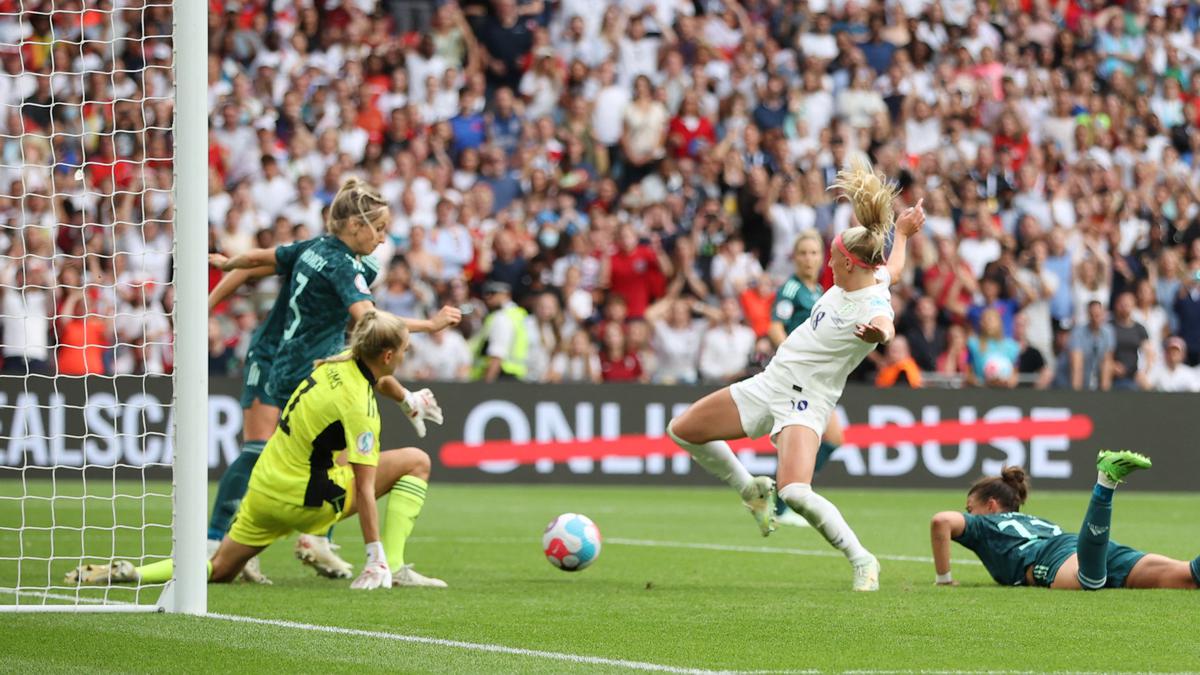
318 553
252 573
759 498
407 576
117 572
866 575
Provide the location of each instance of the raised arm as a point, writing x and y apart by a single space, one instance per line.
448 316
909 223
944 527
233 281
255 257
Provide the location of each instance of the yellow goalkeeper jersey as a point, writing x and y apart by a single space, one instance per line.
333 409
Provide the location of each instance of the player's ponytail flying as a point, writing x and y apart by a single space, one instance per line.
376 332
871 195
1010 489
355 199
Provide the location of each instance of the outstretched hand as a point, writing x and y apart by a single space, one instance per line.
218 261
912 219
870 333
446 317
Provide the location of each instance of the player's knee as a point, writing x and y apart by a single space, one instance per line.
799 496
833 435
681 430
422 465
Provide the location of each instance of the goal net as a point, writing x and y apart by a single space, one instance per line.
89 298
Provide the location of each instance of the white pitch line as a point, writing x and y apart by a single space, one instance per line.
470 646
700 546
769 549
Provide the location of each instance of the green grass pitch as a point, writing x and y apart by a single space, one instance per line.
659 596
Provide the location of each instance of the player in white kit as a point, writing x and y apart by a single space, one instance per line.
794 396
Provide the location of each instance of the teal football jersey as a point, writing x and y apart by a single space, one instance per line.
1007 543
793 303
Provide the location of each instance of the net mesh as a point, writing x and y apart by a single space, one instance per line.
86 150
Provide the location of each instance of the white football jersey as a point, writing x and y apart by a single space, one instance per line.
820 354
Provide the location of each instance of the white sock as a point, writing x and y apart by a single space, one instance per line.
1105 481
825 517
718 459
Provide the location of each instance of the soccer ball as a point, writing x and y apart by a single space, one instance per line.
571 542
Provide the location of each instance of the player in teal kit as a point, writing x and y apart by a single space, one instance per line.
328 283
1021 550
259 414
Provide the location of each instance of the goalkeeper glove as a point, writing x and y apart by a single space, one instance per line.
420 406
376 573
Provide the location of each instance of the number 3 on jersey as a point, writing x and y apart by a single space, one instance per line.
301 280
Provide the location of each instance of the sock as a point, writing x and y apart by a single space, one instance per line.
161 572
1195 567
232 488
1092 547
718 459
1105 481
823 454
407 498
825 517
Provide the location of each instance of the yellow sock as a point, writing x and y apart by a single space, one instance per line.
407 498
161 572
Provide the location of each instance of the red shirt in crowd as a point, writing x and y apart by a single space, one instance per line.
634 276
692 139
623 369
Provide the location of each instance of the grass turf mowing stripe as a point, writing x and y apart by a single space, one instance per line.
458 644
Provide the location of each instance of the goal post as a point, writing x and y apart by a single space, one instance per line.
103 307
189 594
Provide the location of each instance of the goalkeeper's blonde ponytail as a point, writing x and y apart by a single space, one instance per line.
871 195
376 332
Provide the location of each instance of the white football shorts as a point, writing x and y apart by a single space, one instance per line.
765 406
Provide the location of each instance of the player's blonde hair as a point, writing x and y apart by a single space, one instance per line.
808 235
871 195
375 333
355 199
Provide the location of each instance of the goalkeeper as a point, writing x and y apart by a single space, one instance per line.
357 221
300 483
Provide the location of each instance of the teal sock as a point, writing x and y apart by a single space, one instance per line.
1092 547
1195 567
823 454
232 488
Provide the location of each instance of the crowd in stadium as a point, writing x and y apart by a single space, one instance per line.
611 191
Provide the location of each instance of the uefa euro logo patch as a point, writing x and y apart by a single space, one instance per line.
365 442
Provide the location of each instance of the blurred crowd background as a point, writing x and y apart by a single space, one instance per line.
612 190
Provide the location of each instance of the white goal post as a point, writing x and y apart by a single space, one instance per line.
103 301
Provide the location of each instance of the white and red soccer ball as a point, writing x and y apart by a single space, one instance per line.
571 542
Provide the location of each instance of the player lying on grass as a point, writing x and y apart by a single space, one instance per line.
358 219
793 398
1020 550
298 484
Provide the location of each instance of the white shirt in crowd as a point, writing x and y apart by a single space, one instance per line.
1181 378
725 351
272 196
740 269
308 215
977 252
787 222
608 114
445 358
677 349
574 368
819 355
27 323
